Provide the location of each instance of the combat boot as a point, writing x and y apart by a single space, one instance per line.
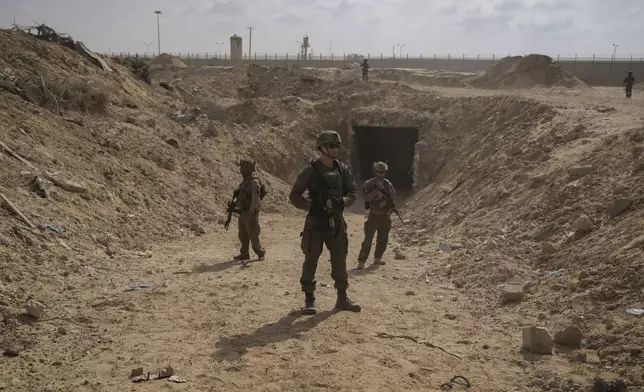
241 257
378 262
309 305
344 303
360 264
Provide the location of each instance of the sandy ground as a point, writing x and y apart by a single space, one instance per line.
224 328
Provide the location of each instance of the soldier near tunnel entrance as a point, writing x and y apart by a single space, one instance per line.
331 188
628 83
380 198
249 197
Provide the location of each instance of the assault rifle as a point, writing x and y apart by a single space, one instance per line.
231 208
391 203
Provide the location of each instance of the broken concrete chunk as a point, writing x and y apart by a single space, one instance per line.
537 340
619 206
569 337
512 292
34 308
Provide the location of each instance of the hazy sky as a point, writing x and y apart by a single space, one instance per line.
350 26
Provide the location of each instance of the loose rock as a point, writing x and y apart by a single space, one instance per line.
548 249
34 308
583 224
512 292
569 337
619 206
537 340
580 171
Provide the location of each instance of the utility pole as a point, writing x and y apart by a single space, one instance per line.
250 40
615 51
147 47
158 31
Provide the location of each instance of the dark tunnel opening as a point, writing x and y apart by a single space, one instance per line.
393 145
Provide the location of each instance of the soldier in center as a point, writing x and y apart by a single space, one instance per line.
331 188
380 196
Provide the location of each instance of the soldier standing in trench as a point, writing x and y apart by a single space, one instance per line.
248 204
628 83
331 188
375 192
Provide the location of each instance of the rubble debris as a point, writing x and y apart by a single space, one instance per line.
512 292
17 156
138 375
15 210
166 86
34 308
537 340
583 224
569 337
619 206
579 171
67 185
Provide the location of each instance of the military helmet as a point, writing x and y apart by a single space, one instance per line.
327 136
380 166
630 72
247 163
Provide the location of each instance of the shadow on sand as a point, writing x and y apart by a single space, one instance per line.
288 327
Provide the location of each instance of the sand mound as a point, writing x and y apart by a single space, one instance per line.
526 72
166 59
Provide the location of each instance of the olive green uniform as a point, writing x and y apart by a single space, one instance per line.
379 217
324 227
248 205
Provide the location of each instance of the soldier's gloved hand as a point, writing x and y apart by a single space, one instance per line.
338 202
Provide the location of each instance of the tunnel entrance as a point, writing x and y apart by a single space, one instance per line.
393 145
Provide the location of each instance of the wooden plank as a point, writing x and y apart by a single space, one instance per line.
17 156
15 210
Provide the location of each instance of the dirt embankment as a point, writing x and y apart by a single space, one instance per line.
507 189
526 72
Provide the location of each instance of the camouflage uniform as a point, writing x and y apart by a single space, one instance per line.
248 205
330 190
379 218
629 81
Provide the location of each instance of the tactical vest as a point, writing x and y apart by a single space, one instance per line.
325 184
245 197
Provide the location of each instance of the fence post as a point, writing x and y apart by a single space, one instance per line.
493 59
266 59
421 56
286 60
574 65
463 63
448 59
557 58
381 67
344 59
592 68
630 63
331 59
276 59
393 61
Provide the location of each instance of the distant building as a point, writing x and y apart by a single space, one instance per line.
236 47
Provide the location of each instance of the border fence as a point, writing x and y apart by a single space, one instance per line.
595 70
